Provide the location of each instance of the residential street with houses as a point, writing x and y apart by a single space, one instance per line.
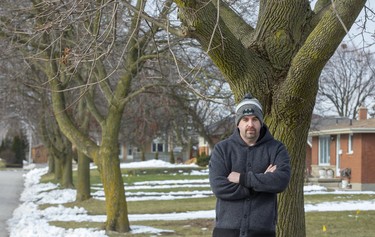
11 186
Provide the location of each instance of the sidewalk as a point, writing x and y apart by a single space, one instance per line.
11 186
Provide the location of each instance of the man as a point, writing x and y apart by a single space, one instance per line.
246 172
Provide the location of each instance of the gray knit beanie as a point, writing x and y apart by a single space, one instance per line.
249 106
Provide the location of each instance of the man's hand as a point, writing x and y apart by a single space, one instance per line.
271 168
234 177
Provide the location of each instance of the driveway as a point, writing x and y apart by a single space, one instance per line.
11 186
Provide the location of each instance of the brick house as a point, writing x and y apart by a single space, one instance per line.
343 151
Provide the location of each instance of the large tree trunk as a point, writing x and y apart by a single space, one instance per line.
116 206
291 201
279 62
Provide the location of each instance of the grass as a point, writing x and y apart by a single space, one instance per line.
97 207
186 228
313 199
132 176
341 223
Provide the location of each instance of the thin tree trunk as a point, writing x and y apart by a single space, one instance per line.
83 178
58 169
83 173
67 166
51 164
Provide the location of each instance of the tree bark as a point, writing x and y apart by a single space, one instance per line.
83 172
116 206
67 166
83 178
58 169
51 164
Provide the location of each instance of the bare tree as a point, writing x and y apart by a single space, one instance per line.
189 96
279 61
347 82
93 51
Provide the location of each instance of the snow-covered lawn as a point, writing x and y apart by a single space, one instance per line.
28 220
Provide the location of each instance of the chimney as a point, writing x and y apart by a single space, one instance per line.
362 113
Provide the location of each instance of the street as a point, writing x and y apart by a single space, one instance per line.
11 186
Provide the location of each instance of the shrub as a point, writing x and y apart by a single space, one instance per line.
13 151
203 159
156 155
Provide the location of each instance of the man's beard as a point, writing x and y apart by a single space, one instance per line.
251 134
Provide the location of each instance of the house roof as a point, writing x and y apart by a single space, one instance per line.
335 125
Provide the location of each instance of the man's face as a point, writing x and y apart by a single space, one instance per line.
249 127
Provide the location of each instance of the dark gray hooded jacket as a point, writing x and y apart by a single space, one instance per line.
252 204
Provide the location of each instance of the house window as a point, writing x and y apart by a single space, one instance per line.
350 144
324 158
157 146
